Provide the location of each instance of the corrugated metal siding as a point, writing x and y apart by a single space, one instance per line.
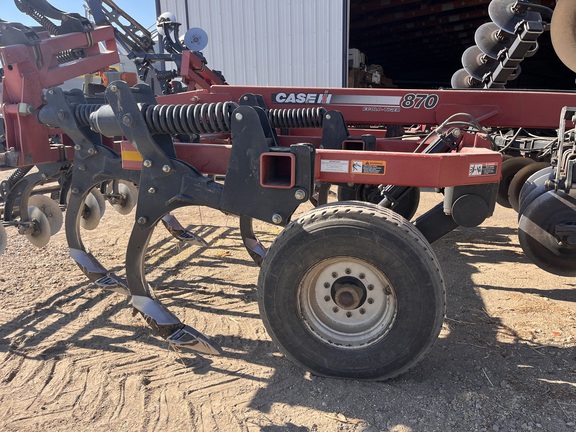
270 42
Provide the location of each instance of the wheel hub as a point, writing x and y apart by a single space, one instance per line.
348 295
347 302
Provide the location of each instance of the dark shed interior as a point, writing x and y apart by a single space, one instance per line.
419 43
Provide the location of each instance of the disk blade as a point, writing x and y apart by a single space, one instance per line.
41 234
51 210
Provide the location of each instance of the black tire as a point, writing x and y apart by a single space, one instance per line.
509 169
406 207
537 232
368 262
527 193
519 179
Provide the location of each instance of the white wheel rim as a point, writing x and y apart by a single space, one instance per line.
347 302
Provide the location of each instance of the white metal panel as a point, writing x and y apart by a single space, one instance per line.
271 42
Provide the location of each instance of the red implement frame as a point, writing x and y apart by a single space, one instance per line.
28 70
492 108
366 111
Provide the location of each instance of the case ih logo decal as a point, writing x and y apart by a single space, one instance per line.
369 102
302 98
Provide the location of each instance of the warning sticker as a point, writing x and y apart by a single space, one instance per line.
369 167
334 166
482 169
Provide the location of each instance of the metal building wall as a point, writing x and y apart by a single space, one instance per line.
271 42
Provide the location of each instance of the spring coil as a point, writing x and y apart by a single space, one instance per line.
296 118
82 113
166 75
69 55
43 21
18 175
189 119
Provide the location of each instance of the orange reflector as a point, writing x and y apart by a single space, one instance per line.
131 158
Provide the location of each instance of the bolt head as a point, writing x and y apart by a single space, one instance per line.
239 116
75 191
142 220
277 219
25 109
127 120
113 88
166 168
77 147
328 116
147 163
152 190
91 151
300 194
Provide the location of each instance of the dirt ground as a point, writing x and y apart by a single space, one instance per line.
75 357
